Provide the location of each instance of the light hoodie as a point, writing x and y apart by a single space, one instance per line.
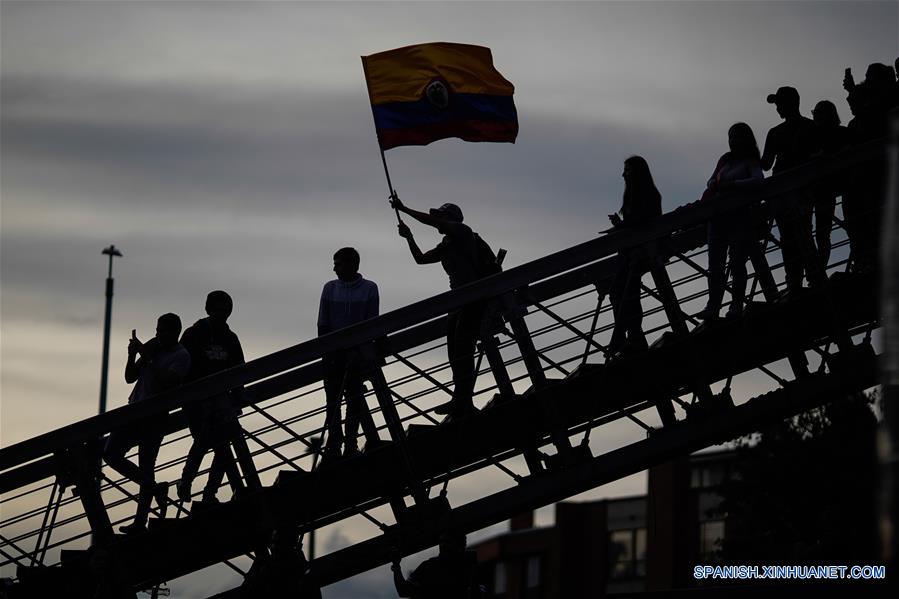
345 303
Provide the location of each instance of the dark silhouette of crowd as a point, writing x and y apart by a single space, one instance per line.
804 218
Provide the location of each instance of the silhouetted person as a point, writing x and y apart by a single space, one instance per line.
642 204
465 258
452 574
284 573
896 84
848 80
871 102
855 99
881 78
734 232
345 301
788 145
213 421
854 192
162 365
832 137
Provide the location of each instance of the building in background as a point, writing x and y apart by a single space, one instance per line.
630 544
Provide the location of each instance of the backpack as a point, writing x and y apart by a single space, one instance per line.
485 263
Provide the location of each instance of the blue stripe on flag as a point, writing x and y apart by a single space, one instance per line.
461 107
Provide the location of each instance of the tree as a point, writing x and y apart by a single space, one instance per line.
806 489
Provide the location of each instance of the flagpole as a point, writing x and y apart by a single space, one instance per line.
389 184
380 147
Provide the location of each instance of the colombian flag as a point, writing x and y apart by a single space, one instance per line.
426 92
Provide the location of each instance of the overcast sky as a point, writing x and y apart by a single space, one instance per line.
231 145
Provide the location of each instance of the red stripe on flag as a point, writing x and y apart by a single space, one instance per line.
477 131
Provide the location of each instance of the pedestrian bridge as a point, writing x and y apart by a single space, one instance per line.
557 416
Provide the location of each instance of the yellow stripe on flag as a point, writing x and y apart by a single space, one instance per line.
401 75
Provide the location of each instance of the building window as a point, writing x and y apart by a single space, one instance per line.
704 477
499 578
627 553
533 572
640 556
711 534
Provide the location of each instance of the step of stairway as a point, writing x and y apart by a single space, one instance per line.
288 476
586 369
375 445
498 400
417 429
576 455
155 524
74 557
550 381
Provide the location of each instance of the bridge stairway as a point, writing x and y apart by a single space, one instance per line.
530 414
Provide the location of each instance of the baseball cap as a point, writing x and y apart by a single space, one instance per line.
448 211
784 94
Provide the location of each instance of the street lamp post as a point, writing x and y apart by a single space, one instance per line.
112 251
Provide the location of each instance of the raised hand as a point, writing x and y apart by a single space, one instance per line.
396 203
134 344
